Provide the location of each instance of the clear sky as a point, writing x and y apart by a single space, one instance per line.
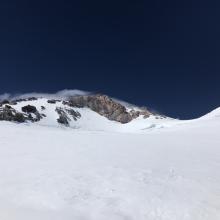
162 54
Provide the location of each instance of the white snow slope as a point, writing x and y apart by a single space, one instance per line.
92 121
52 173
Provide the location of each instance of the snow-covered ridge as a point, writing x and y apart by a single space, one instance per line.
87 112
213 114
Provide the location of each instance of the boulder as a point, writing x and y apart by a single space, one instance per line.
29 109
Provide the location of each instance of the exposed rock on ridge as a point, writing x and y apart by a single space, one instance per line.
64 115
107 107
30 113
14 110
7 113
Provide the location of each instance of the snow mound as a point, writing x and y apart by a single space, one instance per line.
213 114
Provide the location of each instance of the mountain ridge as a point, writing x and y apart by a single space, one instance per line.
101 104
95 112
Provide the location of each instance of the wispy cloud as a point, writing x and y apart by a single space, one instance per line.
60 94
5 96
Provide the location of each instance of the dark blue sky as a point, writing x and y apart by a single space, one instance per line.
162 54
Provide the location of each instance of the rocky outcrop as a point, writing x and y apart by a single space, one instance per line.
32 99
64 115
7 113
51 101
107 107
33 114
29 109
75 115
29 113
142 112
63 118
101 104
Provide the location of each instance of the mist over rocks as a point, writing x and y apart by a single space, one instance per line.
61 95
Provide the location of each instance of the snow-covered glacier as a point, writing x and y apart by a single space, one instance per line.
97 169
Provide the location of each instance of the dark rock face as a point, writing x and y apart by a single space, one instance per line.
19 117
10 114
8 107
29 109
63 118
52 101
104 106
75 115
107 107
64 114
31 99
37 117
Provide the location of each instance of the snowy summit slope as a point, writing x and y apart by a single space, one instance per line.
89 119
148 169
